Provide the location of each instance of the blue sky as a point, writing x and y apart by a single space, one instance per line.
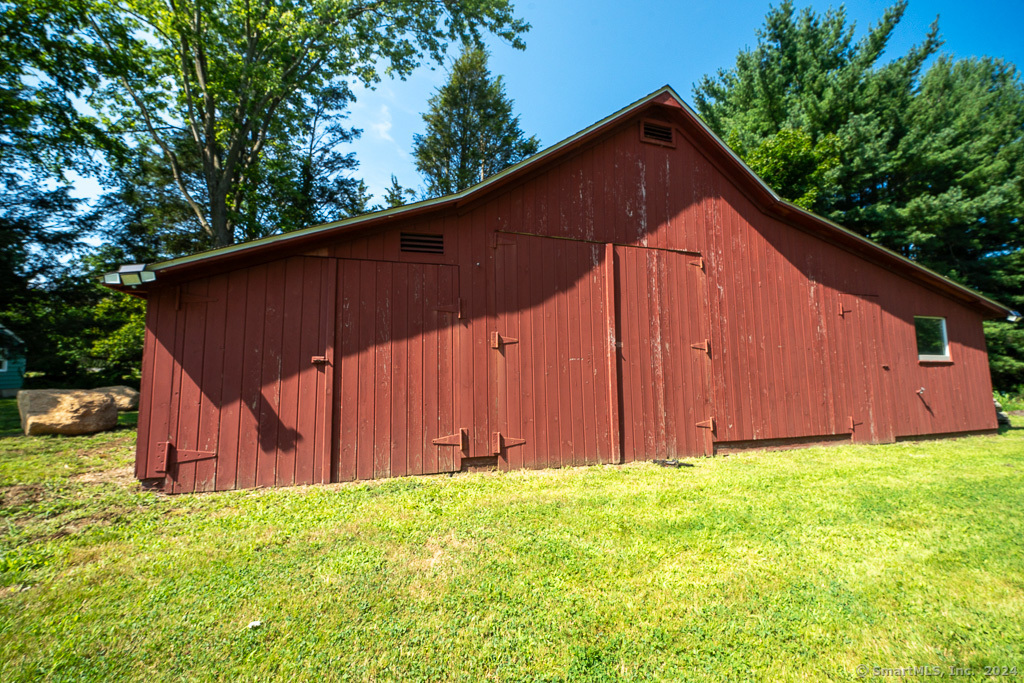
585 59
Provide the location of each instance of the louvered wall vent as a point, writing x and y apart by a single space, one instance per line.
657 133
422 244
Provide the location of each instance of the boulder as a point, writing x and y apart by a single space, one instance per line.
1002 418
126 398
66 411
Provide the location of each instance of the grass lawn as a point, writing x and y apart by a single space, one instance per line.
796 565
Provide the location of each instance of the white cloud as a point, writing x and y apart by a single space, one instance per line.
381 127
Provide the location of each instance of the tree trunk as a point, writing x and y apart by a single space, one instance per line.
222 232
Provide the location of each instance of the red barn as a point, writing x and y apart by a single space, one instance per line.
634 292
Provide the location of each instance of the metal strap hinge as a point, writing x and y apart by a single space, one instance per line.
455 308
707 424
165 450
500 441
460 439
497 340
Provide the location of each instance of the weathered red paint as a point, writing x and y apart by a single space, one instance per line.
661 306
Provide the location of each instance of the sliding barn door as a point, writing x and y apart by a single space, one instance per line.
395 376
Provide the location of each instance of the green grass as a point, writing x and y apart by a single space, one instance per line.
796 565
10 422
1010 400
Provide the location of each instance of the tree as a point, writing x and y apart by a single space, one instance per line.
229 78
396 195
929 163
471 132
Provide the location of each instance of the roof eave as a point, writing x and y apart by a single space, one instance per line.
127 282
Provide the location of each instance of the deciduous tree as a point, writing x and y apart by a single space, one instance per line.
232 78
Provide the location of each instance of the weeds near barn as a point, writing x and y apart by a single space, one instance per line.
797 565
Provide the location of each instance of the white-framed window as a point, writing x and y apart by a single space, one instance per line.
932 342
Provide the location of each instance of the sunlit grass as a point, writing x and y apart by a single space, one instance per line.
797 565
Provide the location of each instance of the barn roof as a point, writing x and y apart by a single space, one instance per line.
133 277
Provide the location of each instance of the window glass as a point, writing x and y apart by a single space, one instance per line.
931 338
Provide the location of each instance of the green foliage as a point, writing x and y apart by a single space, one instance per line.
396 195
10 420
1011 400
78 333
471 132
120 332
790 160
929 163
784 566
222 91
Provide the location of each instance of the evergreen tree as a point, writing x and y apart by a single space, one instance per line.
929 163
471 132
397 195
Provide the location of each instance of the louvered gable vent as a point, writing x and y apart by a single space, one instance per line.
658 133
422 244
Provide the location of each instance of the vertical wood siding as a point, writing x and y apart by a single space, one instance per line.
611 269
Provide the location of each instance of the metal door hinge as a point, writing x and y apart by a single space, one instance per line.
497 340
162 456
165 451
460 439
455 308
500 441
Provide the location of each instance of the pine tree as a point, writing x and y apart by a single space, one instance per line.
396 195
471 132
929 163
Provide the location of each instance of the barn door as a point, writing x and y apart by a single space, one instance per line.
553 401
664 354
238 378
394 393
867 367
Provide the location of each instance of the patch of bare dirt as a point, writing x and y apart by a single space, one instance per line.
75 526
8 591
122 476
124 442
440 551
20 495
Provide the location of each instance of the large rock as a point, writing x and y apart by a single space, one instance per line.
1002 418
126 398
66 411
